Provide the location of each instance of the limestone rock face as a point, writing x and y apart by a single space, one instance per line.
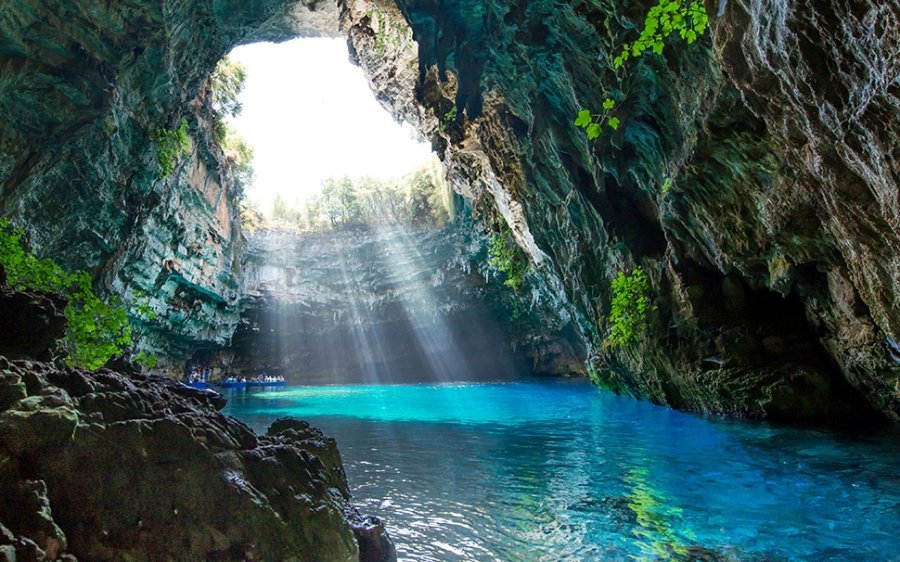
82 87
754 175
754 179
392 304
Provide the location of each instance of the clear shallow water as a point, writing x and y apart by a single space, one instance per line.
551 471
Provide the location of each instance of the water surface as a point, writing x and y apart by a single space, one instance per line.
549 471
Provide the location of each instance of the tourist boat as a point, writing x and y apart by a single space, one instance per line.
231 384
197 384
248 383
263 383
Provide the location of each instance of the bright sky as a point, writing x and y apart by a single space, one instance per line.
309 114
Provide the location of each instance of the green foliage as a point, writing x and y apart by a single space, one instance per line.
252 219
239 155
506 256
421 198
141 308
170 146
666 186
687 18
387 32
145 360
592 123
283 212
96 330
448 118
225 84
109 127
23 269
630 306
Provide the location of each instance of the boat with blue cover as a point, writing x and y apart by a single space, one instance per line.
260 381
203 385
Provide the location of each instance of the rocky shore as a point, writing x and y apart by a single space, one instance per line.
111 465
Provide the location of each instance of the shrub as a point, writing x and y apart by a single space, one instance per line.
239 155
146 360
96 330
505 256
170 146
630 305
592 123
23 269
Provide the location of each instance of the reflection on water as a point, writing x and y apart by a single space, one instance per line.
558 471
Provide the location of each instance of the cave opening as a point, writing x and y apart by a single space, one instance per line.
356 269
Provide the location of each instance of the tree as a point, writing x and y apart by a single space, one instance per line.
225 84
239 155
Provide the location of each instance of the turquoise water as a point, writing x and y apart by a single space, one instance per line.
551 471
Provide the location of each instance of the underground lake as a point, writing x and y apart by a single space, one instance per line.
449 281
546 471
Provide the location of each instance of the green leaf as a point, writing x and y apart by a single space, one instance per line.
584 118
593 131
613 123
608 103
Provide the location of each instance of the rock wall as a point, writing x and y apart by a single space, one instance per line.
82 86
754 178
386 305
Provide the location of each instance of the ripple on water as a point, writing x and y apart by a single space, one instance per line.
553 471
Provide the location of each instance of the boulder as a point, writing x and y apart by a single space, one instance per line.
110 466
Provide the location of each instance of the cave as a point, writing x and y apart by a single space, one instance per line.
658 322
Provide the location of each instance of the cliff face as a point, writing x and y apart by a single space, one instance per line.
82 87
754 179
754 175
392 304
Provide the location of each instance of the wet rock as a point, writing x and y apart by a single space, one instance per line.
108 466
374 543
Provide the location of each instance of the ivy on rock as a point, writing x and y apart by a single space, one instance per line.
686 18
629 308
171 145
505 256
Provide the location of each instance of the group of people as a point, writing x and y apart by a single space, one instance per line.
263 378
199 375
